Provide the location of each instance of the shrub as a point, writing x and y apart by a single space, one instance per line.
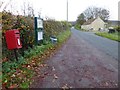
53 28
117 28
22 23
26 26
77 26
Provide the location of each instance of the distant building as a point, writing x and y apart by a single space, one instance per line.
72 23
94 24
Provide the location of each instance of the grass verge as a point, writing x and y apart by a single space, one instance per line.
112 36
18 74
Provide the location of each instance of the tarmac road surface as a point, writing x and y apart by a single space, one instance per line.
84 61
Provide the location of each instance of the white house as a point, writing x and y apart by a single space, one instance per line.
94 24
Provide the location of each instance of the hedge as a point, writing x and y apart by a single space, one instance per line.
26 26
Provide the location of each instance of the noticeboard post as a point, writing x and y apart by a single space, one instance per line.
38 29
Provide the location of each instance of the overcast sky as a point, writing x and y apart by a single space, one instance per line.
56 9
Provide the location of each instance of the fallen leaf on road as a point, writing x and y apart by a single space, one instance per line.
116 84
65 87
42 76
53 80
46 73
44 65
41 65
28 66
53 69
13 75
55 76
106 84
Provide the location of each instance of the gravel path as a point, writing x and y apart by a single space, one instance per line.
78 64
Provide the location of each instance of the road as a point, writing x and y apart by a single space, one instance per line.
105 45
84 61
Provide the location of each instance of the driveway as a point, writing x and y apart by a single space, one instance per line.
84 61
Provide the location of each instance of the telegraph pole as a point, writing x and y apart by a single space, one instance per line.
67 10
119 12
67 16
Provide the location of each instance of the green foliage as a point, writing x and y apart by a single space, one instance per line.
81 19
53 28
8 21
63 36
37 50
117 28
77 26
24 24
112 36
24 85
26 27
10 67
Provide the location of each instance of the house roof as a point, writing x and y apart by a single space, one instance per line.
89 21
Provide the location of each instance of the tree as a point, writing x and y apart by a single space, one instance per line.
30 11
27 9
1 3
94 12
81 19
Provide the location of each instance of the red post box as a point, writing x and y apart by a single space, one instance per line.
13 39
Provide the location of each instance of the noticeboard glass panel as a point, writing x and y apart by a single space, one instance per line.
39 23
40 35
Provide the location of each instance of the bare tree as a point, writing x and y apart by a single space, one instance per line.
24 9
30 11
27 9
1 3
6 5
39 13
93 12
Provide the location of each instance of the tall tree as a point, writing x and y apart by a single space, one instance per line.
94 12
30 11
1 3
81 19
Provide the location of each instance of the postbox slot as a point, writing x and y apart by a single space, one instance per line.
17 33
17 36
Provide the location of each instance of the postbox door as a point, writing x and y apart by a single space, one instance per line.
13 39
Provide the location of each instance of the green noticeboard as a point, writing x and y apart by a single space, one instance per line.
38 22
